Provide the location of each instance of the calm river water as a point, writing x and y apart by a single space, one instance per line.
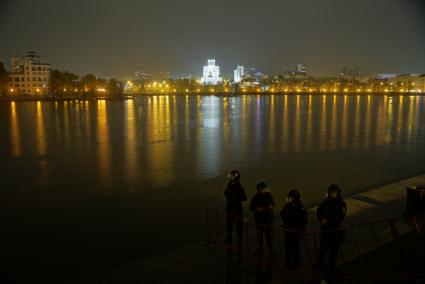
109 181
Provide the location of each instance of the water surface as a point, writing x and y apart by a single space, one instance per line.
92 184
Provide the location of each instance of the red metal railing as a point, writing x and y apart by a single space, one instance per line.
360 239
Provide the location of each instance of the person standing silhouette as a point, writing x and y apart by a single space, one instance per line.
294 218
262 205
235 195
331 215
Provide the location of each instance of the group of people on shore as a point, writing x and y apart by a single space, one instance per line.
330 213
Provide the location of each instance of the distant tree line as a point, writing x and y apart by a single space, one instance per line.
65 84
4 79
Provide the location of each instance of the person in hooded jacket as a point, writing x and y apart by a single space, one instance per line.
262 205
235 195
331 215
295 218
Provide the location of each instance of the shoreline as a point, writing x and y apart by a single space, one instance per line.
217 94
52 99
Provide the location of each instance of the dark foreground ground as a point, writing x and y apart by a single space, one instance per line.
386 262
383 264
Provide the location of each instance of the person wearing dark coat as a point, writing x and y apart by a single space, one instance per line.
331 215
294 218
262 205
235 195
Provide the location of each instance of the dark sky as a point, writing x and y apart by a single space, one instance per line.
111 37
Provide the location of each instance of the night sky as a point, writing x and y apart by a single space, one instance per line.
110 38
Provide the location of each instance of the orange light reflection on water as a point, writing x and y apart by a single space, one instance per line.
14 132
103 145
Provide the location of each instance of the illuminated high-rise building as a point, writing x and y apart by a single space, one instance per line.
238 73
29 75
211 73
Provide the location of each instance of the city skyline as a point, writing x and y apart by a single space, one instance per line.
385 36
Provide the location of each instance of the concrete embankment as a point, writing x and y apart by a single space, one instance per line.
191 264
383 202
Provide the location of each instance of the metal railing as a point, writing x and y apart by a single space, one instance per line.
393 240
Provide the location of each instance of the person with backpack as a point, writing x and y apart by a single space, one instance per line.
331 215
262 205
235 195
294 218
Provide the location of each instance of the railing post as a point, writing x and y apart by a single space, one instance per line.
403 254
343 236
247 249
418 231
317 276
216 225
394 230
356 240
208 226
374 234
316 252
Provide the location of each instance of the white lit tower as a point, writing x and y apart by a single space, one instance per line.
211 73
238 74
